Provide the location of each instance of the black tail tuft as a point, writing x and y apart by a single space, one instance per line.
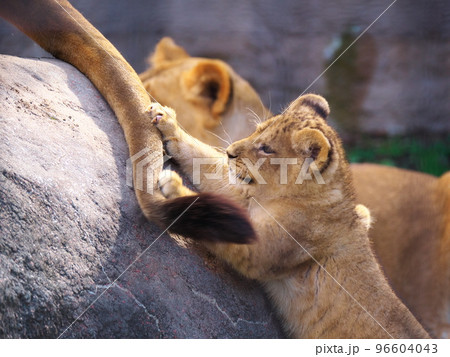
210 217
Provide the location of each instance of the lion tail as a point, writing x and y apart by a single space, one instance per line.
205 216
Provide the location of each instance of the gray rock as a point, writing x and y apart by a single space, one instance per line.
70 226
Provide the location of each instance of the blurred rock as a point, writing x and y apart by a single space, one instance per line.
69 226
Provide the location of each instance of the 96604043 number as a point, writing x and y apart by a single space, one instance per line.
406 348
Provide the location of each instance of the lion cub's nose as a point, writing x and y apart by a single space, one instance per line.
230 155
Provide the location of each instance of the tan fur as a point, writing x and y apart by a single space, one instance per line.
171 185
61 30
364 215
204 77
306 233
411 226
411 237
214 104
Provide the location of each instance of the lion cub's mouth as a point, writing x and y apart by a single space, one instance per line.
247 179
242 176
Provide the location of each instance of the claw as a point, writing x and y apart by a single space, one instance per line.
157 119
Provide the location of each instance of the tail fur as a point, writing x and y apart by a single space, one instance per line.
205 216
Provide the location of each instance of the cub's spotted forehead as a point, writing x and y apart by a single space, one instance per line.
263 126
286 123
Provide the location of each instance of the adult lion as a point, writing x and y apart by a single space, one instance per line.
411 232
214 103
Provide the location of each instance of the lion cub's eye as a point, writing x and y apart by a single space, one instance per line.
265 149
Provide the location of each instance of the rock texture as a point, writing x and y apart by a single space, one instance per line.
69 227
393 81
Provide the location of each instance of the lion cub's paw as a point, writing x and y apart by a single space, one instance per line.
364 216
171 185
164 118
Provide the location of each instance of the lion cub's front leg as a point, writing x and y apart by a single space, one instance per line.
165 119
187 151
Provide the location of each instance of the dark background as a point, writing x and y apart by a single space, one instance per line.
389 92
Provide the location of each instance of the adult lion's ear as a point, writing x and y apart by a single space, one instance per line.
208 84
165 51
311 143
313 102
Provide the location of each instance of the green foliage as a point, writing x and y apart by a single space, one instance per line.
425 154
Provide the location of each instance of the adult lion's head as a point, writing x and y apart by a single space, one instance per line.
210 99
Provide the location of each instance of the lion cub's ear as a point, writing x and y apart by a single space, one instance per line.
208 84
312 102
165 51
311 143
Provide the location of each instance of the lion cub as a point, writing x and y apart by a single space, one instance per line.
307 240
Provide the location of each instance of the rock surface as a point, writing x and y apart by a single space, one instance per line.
394 80
70 226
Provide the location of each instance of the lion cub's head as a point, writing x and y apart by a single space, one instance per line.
210 99
294 154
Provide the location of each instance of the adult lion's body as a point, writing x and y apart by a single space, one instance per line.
411 237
